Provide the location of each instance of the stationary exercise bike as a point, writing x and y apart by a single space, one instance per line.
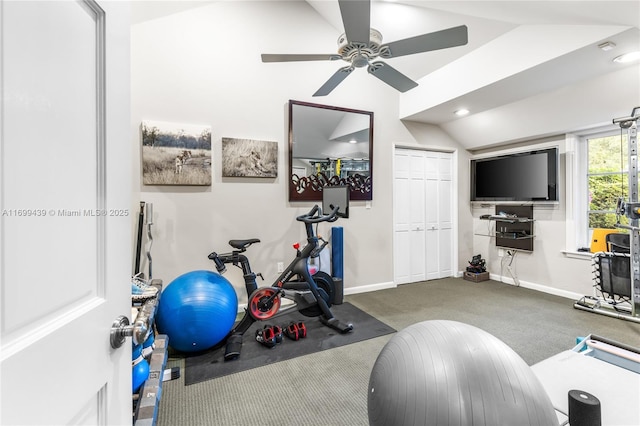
311 295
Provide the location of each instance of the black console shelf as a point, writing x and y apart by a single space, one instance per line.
514 227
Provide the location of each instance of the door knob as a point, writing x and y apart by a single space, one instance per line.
121 329
139 330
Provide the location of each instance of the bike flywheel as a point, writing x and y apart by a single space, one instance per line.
264 303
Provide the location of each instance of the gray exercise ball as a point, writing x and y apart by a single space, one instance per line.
450 373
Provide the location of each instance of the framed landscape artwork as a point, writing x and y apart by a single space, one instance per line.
249 158
175 154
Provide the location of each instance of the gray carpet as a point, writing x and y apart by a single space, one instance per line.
330 387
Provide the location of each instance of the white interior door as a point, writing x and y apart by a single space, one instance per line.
439 215
423 215
417 206
65 223
409 217
401 217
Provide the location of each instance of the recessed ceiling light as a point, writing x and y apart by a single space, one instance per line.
627 57
353 141
461 112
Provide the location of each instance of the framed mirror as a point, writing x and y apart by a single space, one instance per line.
329 146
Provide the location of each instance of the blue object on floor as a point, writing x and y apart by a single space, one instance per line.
140 368
197 310
337 258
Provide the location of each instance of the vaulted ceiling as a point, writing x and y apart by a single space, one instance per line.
531 69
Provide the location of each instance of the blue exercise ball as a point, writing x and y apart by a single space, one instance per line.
139 368
197 310
140 374
450 373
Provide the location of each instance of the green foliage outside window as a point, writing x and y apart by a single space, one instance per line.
608 179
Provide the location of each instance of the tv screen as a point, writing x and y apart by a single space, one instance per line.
336 196
528 176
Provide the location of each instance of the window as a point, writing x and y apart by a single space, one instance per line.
607 178
597 176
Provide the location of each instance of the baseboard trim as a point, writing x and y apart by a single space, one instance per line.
525 284
507 280
369 287
538 287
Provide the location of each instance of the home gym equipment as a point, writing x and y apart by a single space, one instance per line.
197 310
149 345
450 373
599 239
136 268
139 368
477 264
145 218
149 222
296 330
311 295
609 304
584 409
269 335
360 45
337 263
596 382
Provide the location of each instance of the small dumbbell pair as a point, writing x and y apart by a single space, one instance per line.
295 330
270 335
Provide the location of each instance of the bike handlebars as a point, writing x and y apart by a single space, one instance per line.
315 216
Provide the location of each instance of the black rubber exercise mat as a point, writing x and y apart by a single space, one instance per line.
211 364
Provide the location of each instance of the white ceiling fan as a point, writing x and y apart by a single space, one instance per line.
361 44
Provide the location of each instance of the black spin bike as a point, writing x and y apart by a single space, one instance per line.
311 295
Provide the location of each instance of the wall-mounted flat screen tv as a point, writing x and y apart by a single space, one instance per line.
526 176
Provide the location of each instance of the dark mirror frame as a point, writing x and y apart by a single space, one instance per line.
310 188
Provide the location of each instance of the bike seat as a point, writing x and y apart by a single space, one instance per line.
243 244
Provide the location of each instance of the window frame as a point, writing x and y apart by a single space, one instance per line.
583 233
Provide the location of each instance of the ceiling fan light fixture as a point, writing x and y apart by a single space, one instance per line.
360 45
627 57
375 40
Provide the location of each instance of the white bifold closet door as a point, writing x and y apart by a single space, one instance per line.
423 215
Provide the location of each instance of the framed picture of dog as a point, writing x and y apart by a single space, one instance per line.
175 154
249 158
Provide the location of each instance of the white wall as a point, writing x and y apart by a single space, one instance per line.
203 67
547 268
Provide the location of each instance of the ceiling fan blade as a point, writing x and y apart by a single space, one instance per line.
451 37
391 76
267 57
335 79
356 18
